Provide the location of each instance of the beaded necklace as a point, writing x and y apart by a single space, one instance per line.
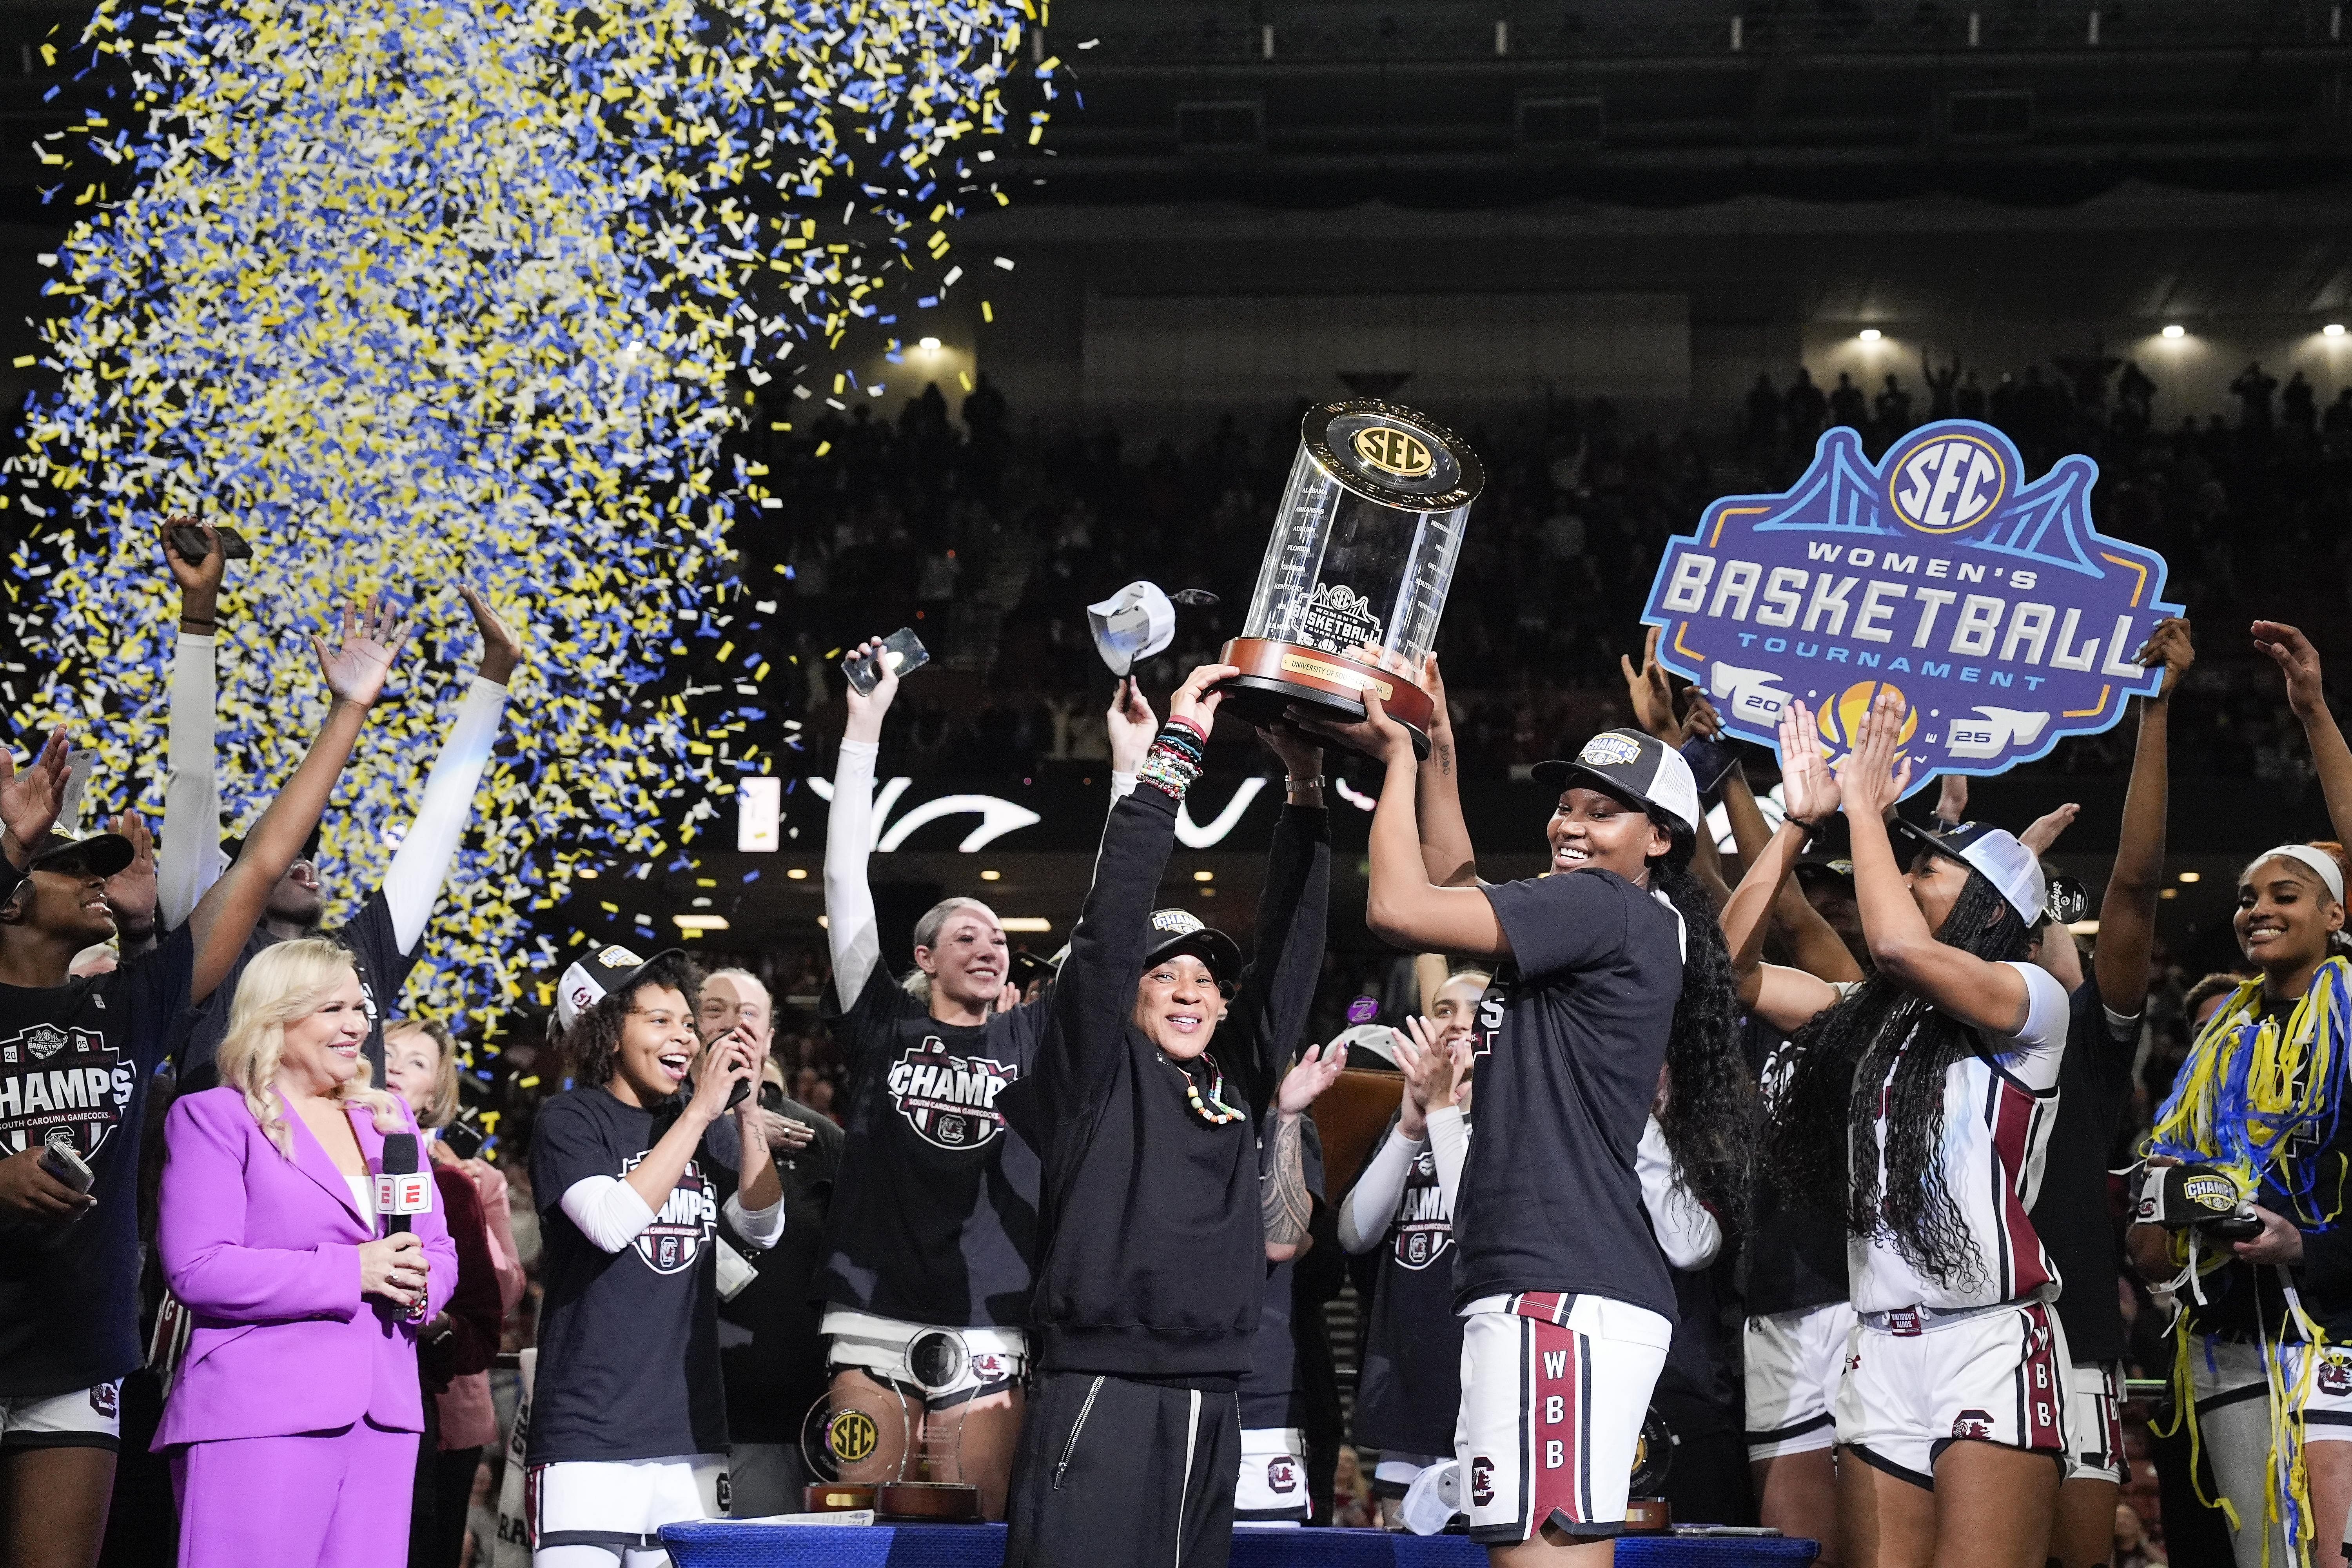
1213 1110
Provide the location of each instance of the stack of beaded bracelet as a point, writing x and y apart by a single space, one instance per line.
1174 759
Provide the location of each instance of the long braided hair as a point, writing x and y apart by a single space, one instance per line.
1820 1142
1710 1113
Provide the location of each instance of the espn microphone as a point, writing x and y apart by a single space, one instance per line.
401 1190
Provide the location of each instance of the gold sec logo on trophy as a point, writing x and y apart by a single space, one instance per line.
1356 573
1395 451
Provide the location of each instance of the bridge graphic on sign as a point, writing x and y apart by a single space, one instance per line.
1993 606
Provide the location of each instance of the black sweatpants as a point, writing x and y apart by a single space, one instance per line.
1111 1473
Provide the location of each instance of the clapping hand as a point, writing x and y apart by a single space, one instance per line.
1318 1070
1809 791
1873 776
501 648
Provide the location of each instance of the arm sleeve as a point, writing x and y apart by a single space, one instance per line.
1094 995
1293 911
200 1233
1449 1145
1121 786
761 1228
850 929
188 862
1372 1203
422 864
607 1210
1686 1233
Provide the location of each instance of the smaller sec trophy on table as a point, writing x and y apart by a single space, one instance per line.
1356 575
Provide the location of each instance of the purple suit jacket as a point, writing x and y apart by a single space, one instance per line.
263 1251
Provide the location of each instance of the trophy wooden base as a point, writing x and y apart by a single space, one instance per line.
929 1502
1276 676
1648 1516
835 1497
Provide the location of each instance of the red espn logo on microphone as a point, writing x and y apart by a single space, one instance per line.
410 1192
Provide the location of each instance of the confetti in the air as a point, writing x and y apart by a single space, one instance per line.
416 292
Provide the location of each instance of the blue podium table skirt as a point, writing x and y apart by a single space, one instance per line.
722 1545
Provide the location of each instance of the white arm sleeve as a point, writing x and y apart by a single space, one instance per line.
426 854
1688 1234
761 1227
1372 1203
850 927
607 1210
1449 1144
188 860
1121 786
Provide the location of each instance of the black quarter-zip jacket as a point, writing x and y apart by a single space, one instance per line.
1152 1248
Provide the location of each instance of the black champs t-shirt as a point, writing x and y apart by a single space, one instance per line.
1569 1040
934 1216
628 1341
1411 1386
76 1064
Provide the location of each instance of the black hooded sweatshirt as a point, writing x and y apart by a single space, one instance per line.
1152 1259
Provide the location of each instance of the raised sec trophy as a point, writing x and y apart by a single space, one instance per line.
1356 575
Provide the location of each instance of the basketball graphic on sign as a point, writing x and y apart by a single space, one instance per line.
1840 721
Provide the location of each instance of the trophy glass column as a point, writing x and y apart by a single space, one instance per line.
1356 575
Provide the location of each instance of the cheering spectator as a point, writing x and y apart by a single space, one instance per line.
293 1427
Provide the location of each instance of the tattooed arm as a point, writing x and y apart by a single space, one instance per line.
1284 1203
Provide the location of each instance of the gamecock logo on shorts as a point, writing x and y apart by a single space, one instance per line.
105 1398
2335 1376
1282 1474
949 1101
1972 1424
1481 1481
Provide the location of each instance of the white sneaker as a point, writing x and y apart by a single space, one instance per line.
1434 1500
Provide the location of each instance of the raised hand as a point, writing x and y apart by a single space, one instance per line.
30 797
1301 758
1132 724
131 892
361 657
1653 695
1809 791
1318 1070
1195 701
1699 717
866 709
501 648
1871 777
2168 645
1952 798
2046 828
2298 661
199 580
1376 735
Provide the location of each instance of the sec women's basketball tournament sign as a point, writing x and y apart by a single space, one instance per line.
1993 606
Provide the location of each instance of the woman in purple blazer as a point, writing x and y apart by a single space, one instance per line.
293 1426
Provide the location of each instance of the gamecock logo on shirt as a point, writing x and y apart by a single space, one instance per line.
949 1101
679 1233
62 1086
1424 1229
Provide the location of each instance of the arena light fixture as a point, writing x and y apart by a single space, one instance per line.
699 923
1870 335
2333 330
1031 925
991 875
929 345
2191 876
1204 876
798 873
2175 329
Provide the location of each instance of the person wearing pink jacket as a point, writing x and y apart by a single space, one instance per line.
292 1427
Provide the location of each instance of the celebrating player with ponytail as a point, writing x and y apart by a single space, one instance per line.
1918 1107
1609 967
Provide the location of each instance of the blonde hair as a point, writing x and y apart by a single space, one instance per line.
442 1110
283 985
918 985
